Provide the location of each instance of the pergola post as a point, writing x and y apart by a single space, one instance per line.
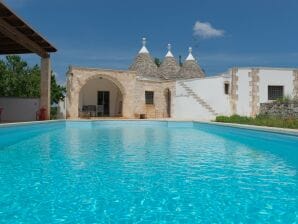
45 85
17 37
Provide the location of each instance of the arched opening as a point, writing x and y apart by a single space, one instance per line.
168 101
100 97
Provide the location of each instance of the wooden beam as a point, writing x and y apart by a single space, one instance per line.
21 39
6 15
7 44
3 38
19 51
13 48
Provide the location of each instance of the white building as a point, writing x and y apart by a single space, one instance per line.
174 91
239 91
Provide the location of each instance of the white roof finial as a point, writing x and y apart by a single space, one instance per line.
144 49
190 57
169 54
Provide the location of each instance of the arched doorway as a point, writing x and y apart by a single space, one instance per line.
168 102
100 97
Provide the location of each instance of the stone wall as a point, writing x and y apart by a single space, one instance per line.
234 90
78 77
280 109
159 108
254 91
295 82
131 87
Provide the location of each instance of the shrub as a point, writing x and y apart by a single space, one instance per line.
260 120
54 111
285 99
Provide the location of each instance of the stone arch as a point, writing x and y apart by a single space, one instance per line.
101 95
79 77
104 76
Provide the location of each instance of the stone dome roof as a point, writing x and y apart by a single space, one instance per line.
169 69
144 64
190 68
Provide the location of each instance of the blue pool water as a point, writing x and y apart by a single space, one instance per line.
146 172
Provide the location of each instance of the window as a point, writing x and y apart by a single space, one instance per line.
227 88
149 97
275 92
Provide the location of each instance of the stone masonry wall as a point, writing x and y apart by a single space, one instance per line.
280 109
254 91
132 89
234 90
295 82
78 77
159 108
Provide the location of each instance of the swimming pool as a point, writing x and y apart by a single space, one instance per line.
146 172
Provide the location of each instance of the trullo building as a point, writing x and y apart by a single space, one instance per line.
173 90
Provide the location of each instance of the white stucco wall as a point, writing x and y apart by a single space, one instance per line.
186 107
19 109
267 77
244 98
210 89
61 112
277 77
88 95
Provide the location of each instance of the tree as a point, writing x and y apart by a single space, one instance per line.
57 91
157 61
18 79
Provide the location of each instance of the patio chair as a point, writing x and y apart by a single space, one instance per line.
92 110
99 110
84 112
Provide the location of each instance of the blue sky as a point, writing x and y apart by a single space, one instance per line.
223 34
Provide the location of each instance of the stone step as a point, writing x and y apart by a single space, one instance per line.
198 98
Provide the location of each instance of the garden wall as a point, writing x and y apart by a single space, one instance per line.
17 109
280 109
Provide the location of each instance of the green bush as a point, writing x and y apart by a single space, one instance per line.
285 99
54 111
260 120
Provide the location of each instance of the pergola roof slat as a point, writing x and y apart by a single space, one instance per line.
17 37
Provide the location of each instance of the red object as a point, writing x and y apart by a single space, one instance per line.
1 109
41 115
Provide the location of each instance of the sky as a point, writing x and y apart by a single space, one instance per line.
108 33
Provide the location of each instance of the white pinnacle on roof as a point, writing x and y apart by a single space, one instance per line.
144 49
190 57
169 54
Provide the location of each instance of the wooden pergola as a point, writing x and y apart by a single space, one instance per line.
17 37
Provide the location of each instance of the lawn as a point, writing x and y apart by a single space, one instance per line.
260 121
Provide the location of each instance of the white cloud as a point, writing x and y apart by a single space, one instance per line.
205 30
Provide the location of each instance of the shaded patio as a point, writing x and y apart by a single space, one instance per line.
17 37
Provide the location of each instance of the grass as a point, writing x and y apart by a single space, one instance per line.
261 121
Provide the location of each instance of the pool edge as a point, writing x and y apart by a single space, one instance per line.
286 131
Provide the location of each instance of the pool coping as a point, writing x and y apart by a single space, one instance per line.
234 125
24 123
277 130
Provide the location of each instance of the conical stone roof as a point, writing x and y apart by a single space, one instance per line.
169 69
144 64
190 68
